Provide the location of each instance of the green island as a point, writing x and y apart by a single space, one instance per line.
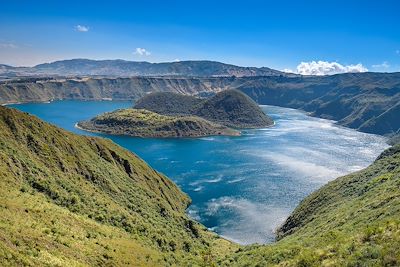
144 123
174 115
70 200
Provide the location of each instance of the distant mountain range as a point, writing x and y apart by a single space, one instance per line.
123 68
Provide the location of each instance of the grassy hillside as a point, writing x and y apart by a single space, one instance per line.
144 123
352 221
69 200
231 108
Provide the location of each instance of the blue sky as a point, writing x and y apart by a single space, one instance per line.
277 34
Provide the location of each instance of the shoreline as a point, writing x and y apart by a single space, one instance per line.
388 138
112 99
155 137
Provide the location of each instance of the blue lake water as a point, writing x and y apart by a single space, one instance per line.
243 187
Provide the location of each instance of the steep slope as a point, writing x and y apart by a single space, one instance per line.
352 221
47 89
123 68
72 200
231 108
386 122
144 123
363 101
395 139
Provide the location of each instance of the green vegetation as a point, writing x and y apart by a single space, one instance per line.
69 200
168 103
352 221
144 123
231 108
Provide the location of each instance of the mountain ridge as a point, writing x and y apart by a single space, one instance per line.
125 68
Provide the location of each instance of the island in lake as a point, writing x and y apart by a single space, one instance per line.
168 114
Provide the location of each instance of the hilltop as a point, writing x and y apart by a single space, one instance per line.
168 103
231 108
144 123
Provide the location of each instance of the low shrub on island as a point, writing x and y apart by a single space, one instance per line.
144 123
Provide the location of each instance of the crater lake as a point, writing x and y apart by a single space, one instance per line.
243 187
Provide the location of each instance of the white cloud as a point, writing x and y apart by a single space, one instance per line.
327 68
81 28
8 45
383 65
177 60
142 52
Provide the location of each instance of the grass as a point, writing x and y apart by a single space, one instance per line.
144 123
76 200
